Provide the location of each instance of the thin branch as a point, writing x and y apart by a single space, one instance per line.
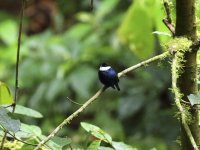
167 10
74 102
17 66
87 103
170 26
3 140
144 63
72 116
168 21
179 106
18 54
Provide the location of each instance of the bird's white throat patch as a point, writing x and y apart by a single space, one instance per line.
104 68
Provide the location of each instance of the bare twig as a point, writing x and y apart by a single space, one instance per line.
170 26
3 140
67 121
17 66
179 106
144 63
87 103
168 21
18 52
167 10
74 102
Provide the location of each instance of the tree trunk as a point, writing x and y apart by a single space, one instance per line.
187 82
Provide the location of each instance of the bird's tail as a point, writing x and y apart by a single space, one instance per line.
117 86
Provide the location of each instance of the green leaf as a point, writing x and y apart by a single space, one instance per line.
61 141
57 143
157 14
7 122
94 145
5 95
28 131
140 20
26 111
194 99
29 147
105 148
78 31
162 33
32 130
136 29
122 146
8 31
97 132
84 17
105 8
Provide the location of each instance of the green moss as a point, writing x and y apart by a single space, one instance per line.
188 115
180 44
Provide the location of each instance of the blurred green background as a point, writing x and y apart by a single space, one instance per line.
63 44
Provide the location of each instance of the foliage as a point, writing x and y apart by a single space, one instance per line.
179 46
56 65
194 99
141 18
5 95
102 136
7 123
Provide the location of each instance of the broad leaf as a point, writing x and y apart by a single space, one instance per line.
7 122
94 145
105 148
97 132
32 130
26 111
142 17
5 95
105 8
78 31
8 31
194 99
122 146
57 143
29 147
61 141
136 29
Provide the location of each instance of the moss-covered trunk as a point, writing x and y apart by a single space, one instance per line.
187 82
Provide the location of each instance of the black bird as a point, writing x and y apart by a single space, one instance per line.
108 76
